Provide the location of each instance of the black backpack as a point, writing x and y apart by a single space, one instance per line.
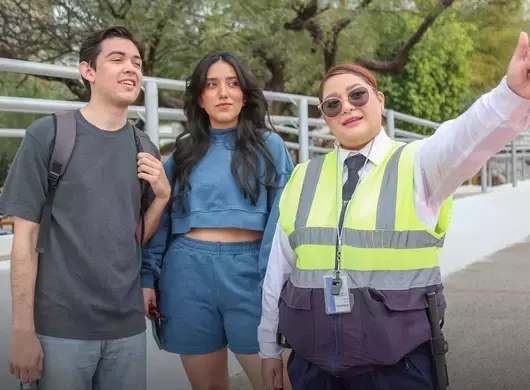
65 133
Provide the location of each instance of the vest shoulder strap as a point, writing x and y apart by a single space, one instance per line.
309 187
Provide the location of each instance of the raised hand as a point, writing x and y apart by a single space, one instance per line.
518 70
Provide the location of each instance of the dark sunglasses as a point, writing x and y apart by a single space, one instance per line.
332 107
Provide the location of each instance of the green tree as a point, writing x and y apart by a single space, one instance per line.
288 44
436 79
495 30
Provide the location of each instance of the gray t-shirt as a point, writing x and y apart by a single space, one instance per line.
88 282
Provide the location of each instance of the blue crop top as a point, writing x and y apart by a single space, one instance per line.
216 201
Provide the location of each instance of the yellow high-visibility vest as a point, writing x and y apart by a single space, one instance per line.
384 244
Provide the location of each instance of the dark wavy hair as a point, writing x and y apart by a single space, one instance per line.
250 144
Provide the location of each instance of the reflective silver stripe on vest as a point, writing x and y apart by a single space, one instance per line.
384 236
380 280
391 239
386 206
309 187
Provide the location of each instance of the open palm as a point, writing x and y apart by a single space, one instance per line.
518 77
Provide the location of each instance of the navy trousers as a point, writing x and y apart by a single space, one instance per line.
414 372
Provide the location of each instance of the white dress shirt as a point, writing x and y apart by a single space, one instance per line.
453 154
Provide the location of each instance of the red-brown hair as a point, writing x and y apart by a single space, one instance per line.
355 69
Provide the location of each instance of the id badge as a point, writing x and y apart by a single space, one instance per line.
339 303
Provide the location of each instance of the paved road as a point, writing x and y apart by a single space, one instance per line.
488 322
487 325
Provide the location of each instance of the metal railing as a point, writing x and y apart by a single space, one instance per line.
307 130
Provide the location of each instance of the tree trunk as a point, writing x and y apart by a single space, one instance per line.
276 83
330 56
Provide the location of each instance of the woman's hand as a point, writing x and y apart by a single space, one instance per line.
518 77
272 373
149 299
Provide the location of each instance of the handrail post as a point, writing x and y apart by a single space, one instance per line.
151 111
312 143
523 166
303 131
391 124
484 177
490 174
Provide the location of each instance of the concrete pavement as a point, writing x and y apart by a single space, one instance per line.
488 322
487 326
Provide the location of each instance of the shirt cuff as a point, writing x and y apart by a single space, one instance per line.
506 100
270 351
147 281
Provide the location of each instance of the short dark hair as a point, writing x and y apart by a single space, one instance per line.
91 45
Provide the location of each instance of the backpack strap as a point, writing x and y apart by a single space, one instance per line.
144 186
65 132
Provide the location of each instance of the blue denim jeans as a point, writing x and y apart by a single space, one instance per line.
93 364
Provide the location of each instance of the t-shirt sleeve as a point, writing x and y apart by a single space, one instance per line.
26 184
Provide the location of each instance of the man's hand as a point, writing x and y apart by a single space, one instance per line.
26 356
149 299
152 170
517 77
272 373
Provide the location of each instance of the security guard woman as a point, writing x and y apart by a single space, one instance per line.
360 232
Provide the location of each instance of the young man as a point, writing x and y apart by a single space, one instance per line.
78 318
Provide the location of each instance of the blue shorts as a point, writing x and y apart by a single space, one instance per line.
209 294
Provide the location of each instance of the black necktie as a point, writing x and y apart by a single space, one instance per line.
354 164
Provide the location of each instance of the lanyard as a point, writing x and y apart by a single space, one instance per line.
343 210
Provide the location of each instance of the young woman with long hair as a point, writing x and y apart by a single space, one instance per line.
210 256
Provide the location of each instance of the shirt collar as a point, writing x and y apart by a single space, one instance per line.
381 144
222 133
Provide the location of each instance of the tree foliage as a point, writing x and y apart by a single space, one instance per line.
433 57
495 27
438 74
